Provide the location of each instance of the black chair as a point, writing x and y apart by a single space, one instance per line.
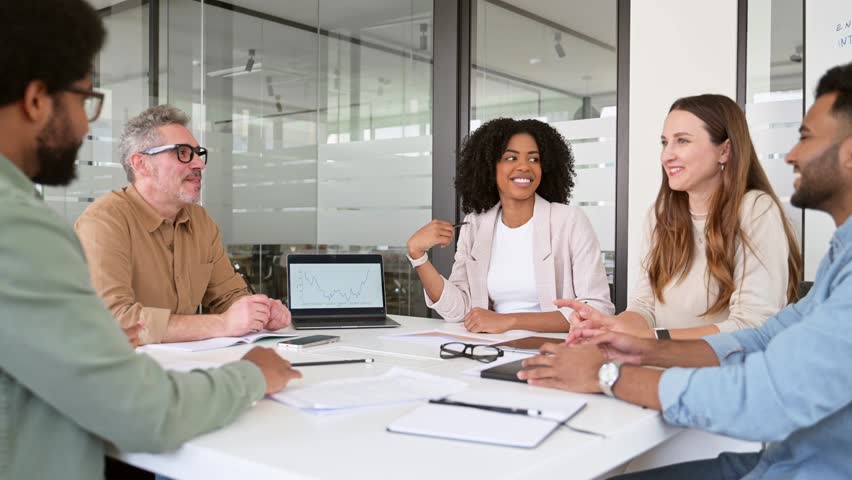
804 288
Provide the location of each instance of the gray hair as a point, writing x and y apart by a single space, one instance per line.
142 132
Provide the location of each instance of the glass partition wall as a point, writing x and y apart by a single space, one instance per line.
317 116
774 90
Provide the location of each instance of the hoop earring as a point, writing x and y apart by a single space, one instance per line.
722 167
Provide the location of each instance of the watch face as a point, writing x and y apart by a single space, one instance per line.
608 373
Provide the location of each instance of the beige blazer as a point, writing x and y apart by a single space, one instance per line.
568 262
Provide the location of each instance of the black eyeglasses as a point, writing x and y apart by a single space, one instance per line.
93 102
185 152
481 353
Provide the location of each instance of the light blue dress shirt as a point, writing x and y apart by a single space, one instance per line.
788 382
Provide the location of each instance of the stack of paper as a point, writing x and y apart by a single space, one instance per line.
394 387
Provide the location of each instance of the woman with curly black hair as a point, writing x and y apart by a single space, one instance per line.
520 246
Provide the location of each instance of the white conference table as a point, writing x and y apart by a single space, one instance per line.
272 440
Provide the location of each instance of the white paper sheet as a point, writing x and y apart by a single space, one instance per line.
395 386
455 332
215 343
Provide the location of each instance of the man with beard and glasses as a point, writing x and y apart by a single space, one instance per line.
70 384
787 383
155 255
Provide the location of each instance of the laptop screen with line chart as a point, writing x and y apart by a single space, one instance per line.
337 291
344 285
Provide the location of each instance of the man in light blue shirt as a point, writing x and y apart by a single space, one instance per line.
787 383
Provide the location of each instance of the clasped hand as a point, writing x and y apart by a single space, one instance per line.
254 313
574 365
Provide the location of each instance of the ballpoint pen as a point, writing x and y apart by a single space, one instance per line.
493 408
248 284
460 224
332 362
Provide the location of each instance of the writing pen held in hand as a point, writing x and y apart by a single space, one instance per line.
245 279
248 285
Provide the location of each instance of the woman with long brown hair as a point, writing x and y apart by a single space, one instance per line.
718 252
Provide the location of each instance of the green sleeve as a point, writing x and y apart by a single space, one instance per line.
58 341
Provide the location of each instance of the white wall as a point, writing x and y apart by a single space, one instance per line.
677 48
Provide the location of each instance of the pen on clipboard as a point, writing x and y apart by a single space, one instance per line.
532 412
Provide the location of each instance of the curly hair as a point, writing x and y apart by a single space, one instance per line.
476 179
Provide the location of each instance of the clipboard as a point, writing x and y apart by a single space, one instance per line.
460 423
474 425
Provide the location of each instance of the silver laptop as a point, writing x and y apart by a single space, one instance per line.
337 291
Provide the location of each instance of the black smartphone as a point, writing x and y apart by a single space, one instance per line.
299 343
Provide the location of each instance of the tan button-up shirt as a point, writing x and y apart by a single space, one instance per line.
146 267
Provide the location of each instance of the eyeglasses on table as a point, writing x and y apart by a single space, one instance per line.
480 353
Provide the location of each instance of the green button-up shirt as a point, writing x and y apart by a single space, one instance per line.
69 381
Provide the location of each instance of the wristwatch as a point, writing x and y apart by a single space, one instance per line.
662 334
416 262
608 375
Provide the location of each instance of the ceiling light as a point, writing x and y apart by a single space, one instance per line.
534 61
557 37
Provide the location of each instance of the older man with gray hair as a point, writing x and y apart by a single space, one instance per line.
155 255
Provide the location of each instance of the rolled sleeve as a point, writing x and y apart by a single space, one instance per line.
728 349
155 323
672 385
226 286
453 303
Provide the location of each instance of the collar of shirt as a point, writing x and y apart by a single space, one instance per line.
150 218
841 239
16 178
